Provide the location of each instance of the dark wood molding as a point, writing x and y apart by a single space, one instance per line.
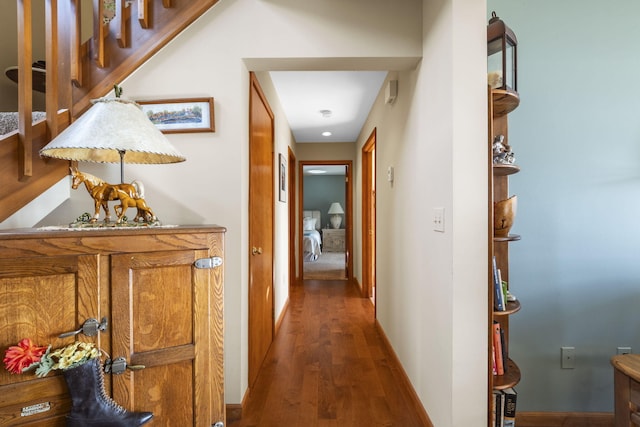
564 419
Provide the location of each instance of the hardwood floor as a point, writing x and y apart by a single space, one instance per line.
329 366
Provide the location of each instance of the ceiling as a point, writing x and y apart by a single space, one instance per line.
346 95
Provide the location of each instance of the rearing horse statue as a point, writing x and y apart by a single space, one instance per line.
103 192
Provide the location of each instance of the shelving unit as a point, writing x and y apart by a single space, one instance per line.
501 103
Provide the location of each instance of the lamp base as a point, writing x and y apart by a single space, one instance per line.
85 221
336 220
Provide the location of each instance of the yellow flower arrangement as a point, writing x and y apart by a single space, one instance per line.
26 356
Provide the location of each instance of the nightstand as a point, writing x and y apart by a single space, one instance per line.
333 240
626 375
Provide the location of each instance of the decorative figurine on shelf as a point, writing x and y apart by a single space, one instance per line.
143 213
502 153
130 195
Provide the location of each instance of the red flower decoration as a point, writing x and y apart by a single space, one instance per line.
19 357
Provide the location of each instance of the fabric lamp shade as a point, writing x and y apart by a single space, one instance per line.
335 209
113 130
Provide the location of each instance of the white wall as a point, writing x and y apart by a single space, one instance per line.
576 137
432 294
434 136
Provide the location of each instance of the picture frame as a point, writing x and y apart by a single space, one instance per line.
180 115
282 182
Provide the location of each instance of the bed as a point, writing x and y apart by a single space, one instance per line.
311 239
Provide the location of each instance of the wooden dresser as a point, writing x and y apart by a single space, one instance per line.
160 290
626 380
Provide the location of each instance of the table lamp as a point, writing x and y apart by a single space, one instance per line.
113 130
336 210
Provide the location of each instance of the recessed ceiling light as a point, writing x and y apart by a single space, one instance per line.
326 133
317 171
326 113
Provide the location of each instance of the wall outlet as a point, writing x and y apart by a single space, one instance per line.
568 357
623 350
438 219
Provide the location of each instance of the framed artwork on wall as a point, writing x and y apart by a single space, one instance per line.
282 182
180 115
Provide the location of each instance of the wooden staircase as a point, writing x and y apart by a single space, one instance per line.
81 72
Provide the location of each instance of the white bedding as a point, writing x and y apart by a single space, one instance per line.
311 238
312 245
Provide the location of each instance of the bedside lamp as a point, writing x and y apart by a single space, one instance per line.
336 210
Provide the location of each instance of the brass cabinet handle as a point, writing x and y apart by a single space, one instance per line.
256 251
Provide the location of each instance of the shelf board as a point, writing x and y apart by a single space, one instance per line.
509 379
509 238
504 101
512 307
504 170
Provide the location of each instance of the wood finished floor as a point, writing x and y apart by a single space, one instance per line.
328 366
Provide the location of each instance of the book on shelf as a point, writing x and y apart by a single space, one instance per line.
499 297
503 408
503 348
497 411
497 349
510 396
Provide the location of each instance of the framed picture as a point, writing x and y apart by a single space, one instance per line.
180 115
282 183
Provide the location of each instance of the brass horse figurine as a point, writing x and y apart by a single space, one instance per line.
144 212
103 192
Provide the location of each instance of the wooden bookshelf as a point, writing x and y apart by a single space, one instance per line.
501 104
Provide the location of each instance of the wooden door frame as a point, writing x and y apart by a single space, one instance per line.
348 214
292 217
368 216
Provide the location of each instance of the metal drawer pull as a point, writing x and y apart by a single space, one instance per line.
119 365
90 327
256 251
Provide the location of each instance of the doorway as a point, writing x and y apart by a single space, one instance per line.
291 195
326 220
369 217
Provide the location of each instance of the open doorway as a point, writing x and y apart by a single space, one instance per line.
326 220
369 218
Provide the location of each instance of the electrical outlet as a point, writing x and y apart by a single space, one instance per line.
568 355
623 350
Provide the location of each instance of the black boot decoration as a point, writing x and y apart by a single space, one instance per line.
91 406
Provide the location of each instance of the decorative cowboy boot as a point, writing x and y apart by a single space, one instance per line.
91 406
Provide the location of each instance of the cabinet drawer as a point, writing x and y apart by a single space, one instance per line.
634 393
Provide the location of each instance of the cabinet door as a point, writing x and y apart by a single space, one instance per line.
161 319
40 298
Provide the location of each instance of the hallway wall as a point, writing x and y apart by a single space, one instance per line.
431 288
